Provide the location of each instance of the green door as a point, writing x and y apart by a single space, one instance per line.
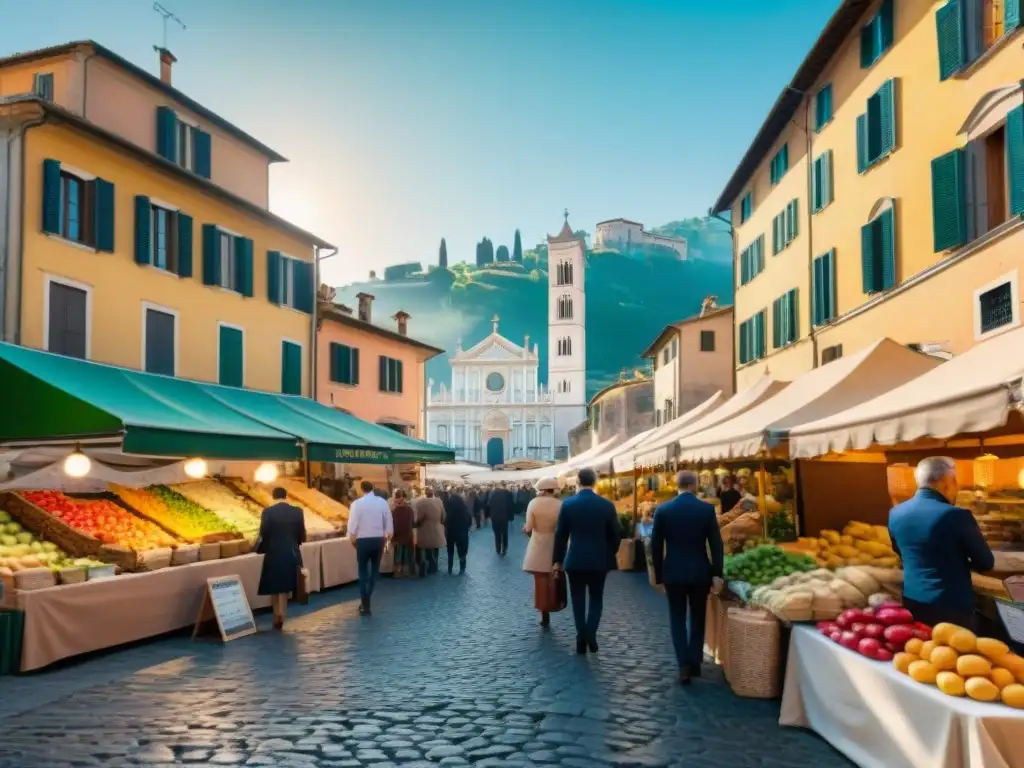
291 368
495 451
231 356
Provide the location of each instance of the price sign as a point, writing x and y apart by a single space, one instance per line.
224 600
1012 615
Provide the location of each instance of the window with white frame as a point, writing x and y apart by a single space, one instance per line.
228 277
42 85
163 241
185 147
286 280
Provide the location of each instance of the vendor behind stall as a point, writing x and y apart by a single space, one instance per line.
940 544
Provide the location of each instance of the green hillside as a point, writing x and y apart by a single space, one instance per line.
630 298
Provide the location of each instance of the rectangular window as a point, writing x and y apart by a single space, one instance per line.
996 306
67 320
231 356
746 207
821 181
291 368
75 206
824 289
779 164
160 342
42 85
785 227
675 348
752 260
185 144
664 356
286 281
785 320
876 128
344 364
876 36
966 29
878 252
163 238
752 338
831 354
823 107
390 379
228 274
707 341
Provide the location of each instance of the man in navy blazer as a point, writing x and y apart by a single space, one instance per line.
687 554
940 545
586 540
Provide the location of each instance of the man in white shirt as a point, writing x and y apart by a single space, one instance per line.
370 528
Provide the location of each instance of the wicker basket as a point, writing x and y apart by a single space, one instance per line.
125 559
231 548
185 555
34 578
155 559
753 653
72 541
76 575
209 552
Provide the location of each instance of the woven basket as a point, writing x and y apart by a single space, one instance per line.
72 541
34 578
753 653
722 626
75 575
231 548
209 552
185 555
155 559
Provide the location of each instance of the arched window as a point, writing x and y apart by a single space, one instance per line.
564 273
442 434
564 307
564 346
878 248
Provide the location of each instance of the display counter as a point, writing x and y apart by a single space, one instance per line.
880 718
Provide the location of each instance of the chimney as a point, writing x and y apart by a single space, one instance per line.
402 318
167 60
365 303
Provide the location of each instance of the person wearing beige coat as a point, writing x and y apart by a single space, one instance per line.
541 519
429 526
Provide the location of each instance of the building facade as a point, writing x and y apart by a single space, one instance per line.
623 234
692 360
495 409
134 250
883 194
623 409
375 373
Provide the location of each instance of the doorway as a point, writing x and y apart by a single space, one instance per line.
495 451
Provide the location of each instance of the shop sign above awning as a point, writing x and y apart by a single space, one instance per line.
833 387
971 393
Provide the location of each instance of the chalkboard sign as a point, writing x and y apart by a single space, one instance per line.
224 599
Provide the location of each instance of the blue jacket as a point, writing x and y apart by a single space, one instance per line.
587 533
940 545
686 547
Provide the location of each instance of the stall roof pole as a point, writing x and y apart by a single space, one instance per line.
762 501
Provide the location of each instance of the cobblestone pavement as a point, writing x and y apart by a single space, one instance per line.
449 670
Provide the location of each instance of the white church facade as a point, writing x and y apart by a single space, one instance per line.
495 410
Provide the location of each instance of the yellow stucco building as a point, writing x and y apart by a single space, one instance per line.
884 193
134 228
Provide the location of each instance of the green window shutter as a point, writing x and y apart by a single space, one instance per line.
887 224
291 368
166 133
745 266
184 244
51 196
760 254
867 45
103 215
743 342
823 107
760 329
274 277
777 323
202 147
818 292
794 217
949 24
784 162
831 309
776 234
232 357
243 265
355 365
886 26
334 361
1011 15
867 258
382 373
826 178
1015 159
302 285
887 117
816 186
399 374
143 236
862 143
211 255
949 202
793 316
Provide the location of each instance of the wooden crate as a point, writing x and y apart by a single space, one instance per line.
50 528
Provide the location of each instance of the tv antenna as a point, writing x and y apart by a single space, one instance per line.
167 15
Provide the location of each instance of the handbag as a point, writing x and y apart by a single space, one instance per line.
302 586
558 594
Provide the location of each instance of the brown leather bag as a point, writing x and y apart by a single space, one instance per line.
302 586
558 593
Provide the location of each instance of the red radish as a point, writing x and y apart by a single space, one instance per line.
899 634
893 647
849 640
922 631
891 615
858 628
869 646
874 630
849 616
884 654
836 635
827 627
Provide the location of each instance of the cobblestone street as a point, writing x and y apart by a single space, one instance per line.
449 670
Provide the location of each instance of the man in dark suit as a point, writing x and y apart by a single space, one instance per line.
687 555
457 522
500 503
586 539
940 545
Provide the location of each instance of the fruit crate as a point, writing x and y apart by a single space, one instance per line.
41 522
210 538
12 630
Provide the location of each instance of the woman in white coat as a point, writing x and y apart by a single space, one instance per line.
541 518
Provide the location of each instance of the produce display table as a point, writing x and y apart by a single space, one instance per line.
338 563
880 718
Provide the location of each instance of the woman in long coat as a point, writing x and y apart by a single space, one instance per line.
541 519
430 538
282 532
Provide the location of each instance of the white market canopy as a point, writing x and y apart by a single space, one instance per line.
553 470
453 472
625 459
973 392
836 386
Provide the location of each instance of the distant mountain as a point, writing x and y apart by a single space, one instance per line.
631 297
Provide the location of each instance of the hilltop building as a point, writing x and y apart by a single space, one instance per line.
623 233
495 410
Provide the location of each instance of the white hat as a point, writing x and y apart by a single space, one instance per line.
547 484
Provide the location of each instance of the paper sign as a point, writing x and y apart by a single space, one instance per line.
1012 615
1015 588
224 599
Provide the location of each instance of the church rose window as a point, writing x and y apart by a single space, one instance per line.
495 382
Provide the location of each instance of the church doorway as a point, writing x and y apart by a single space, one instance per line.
495 451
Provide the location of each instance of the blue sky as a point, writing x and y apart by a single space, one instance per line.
409 120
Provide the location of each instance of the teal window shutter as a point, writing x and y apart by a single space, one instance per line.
826 178
382 372
399 375
51 196
949 24
794 215
103 215
831 309
792 316
243 265
777 323
823 107
334 361
355 365
823 296
184 244
143 235
776 235
291 368
886 26
745 266
759 330
887 118
867 45
867 258
862 143
1011 15
760 254
211 255
784 162
744 342
274 277
816 197
202 147
949 200
817 292
302 285
1015 159
887 238
166 133
232 357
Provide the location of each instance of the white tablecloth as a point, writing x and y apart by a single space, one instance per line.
880 718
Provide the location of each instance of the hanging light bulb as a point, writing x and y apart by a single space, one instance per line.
77 464
196 468
266 473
